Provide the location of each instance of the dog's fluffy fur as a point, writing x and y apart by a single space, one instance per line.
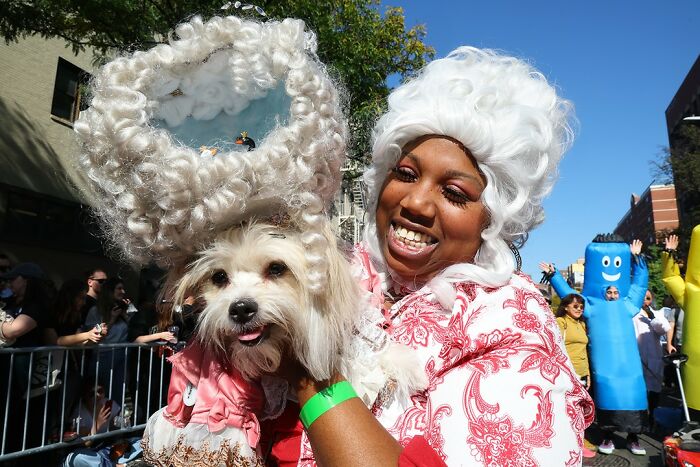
263 266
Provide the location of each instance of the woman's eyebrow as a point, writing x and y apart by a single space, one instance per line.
458 174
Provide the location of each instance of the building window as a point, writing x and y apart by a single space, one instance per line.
69 91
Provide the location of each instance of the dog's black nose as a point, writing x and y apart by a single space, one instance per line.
242 311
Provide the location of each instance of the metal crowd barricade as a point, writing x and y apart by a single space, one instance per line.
34 406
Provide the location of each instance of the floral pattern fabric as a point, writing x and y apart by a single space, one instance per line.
502 390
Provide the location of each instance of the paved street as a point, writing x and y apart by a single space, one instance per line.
622 457
649 441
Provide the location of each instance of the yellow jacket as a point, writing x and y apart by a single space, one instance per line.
576 342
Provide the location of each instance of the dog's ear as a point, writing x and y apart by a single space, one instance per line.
332 313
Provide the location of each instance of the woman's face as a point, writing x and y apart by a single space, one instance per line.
429 212
612 294
119 292
574 309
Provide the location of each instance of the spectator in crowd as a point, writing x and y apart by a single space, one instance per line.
573 330
111 308
5 266
66 314
649 326
30 306
94 279
672 342
29 328
67 330
94 415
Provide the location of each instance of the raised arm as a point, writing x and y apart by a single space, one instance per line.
670 272
640 279
556 279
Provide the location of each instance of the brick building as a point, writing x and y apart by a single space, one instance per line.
684 109
651 216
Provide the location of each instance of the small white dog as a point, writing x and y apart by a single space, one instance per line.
253 280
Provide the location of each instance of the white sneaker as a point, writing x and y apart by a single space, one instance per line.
606 447
636 449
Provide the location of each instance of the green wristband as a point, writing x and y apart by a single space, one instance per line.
325 400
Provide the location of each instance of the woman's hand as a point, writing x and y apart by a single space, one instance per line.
671 242
636 247
547 267
670 348
167 336
588 383
94 335
102 416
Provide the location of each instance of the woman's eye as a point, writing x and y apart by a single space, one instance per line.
455 196
219 278
404 174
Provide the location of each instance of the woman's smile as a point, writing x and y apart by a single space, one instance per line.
410 243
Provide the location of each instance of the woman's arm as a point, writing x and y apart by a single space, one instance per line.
159 336
20 326
557 280
348 434
81 338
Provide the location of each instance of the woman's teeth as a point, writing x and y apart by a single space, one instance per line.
412 238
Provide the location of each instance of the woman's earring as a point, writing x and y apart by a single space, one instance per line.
516 253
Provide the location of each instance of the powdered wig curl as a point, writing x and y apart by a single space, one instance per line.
158 195
509 117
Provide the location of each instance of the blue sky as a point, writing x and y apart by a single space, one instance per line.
620 62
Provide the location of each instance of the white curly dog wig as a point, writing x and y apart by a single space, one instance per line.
162 198
517 128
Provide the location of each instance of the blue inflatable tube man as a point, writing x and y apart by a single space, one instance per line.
618 381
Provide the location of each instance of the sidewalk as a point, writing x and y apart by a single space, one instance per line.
621 457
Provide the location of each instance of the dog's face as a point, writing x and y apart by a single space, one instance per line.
253 280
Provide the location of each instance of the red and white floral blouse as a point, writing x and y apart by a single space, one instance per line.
502 391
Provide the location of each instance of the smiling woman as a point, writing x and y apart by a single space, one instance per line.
461 161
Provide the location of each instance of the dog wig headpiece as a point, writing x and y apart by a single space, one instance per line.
232 119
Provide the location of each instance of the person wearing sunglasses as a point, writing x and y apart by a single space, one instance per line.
573 330
94 278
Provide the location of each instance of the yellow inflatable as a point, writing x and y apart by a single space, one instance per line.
687 293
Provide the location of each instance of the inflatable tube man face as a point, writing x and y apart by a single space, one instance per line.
608 262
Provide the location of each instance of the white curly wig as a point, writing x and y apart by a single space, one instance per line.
160 197
514 124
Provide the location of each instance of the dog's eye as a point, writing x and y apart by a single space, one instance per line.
276 269
220 278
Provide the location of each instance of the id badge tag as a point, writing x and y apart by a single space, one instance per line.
190 395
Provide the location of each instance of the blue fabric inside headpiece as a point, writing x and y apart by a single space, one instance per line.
260 117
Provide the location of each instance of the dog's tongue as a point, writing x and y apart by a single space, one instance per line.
252 335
